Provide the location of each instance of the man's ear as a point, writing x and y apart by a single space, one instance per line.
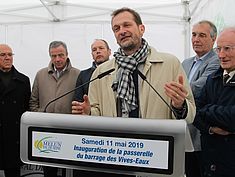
142 29
214 39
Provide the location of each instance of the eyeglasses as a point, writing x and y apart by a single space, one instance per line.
226 49
6 54
61 55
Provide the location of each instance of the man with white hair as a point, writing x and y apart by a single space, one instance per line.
215 116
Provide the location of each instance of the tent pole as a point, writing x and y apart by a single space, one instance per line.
187 19
55 19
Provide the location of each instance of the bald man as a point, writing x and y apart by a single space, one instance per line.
215 116
14 100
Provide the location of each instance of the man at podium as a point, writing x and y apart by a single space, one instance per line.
124 93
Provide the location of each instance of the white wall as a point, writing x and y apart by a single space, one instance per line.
30 42
221 13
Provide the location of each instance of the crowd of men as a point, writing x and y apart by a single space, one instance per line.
199 90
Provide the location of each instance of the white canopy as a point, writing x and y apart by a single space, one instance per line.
28 26
88 11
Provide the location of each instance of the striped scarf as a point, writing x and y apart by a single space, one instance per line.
124 84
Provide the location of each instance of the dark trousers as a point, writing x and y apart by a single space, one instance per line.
13 172
52 172
193 164
81 173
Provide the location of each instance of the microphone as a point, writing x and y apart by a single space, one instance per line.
144 78
104 74
80 86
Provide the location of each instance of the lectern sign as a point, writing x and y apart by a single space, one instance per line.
147 153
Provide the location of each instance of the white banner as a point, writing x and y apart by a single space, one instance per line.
146 153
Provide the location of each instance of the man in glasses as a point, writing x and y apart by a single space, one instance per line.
51 82
216 112
14 100
197 69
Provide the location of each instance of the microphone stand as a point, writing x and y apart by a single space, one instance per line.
78 87
145 79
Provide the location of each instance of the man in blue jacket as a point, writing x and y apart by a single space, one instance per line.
215 116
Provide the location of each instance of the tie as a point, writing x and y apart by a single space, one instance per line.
194 68
225 78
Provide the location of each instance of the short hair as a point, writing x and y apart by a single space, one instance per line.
105 42
231 29
213 30
135 14
55 44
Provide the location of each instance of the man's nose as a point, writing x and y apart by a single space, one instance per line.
122 31
196 38
221 54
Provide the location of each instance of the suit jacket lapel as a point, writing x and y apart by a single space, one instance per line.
189 66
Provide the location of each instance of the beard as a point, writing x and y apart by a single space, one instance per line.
128 45
131 44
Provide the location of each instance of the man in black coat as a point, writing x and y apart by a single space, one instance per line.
14 101
100 52
215 116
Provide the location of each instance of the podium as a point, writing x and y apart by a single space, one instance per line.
145 147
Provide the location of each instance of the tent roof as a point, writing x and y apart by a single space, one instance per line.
28 26
87 11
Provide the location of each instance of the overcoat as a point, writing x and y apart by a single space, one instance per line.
14 101
159 69
47 87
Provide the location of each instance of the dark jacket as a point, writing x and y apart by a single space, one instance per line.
83 77
209 64
216 107
14 100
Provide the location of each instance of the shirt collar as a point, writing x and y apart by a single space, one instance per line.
231 74
197 58
60 71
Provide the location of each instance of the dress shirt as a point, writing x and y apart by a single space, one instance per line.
227 76
197 62
195 66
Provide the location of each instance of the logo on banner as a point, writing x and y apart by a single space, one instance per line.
48 145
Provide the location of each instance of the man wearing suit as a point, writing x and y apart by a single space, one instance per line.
197 69
216 112
100 52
